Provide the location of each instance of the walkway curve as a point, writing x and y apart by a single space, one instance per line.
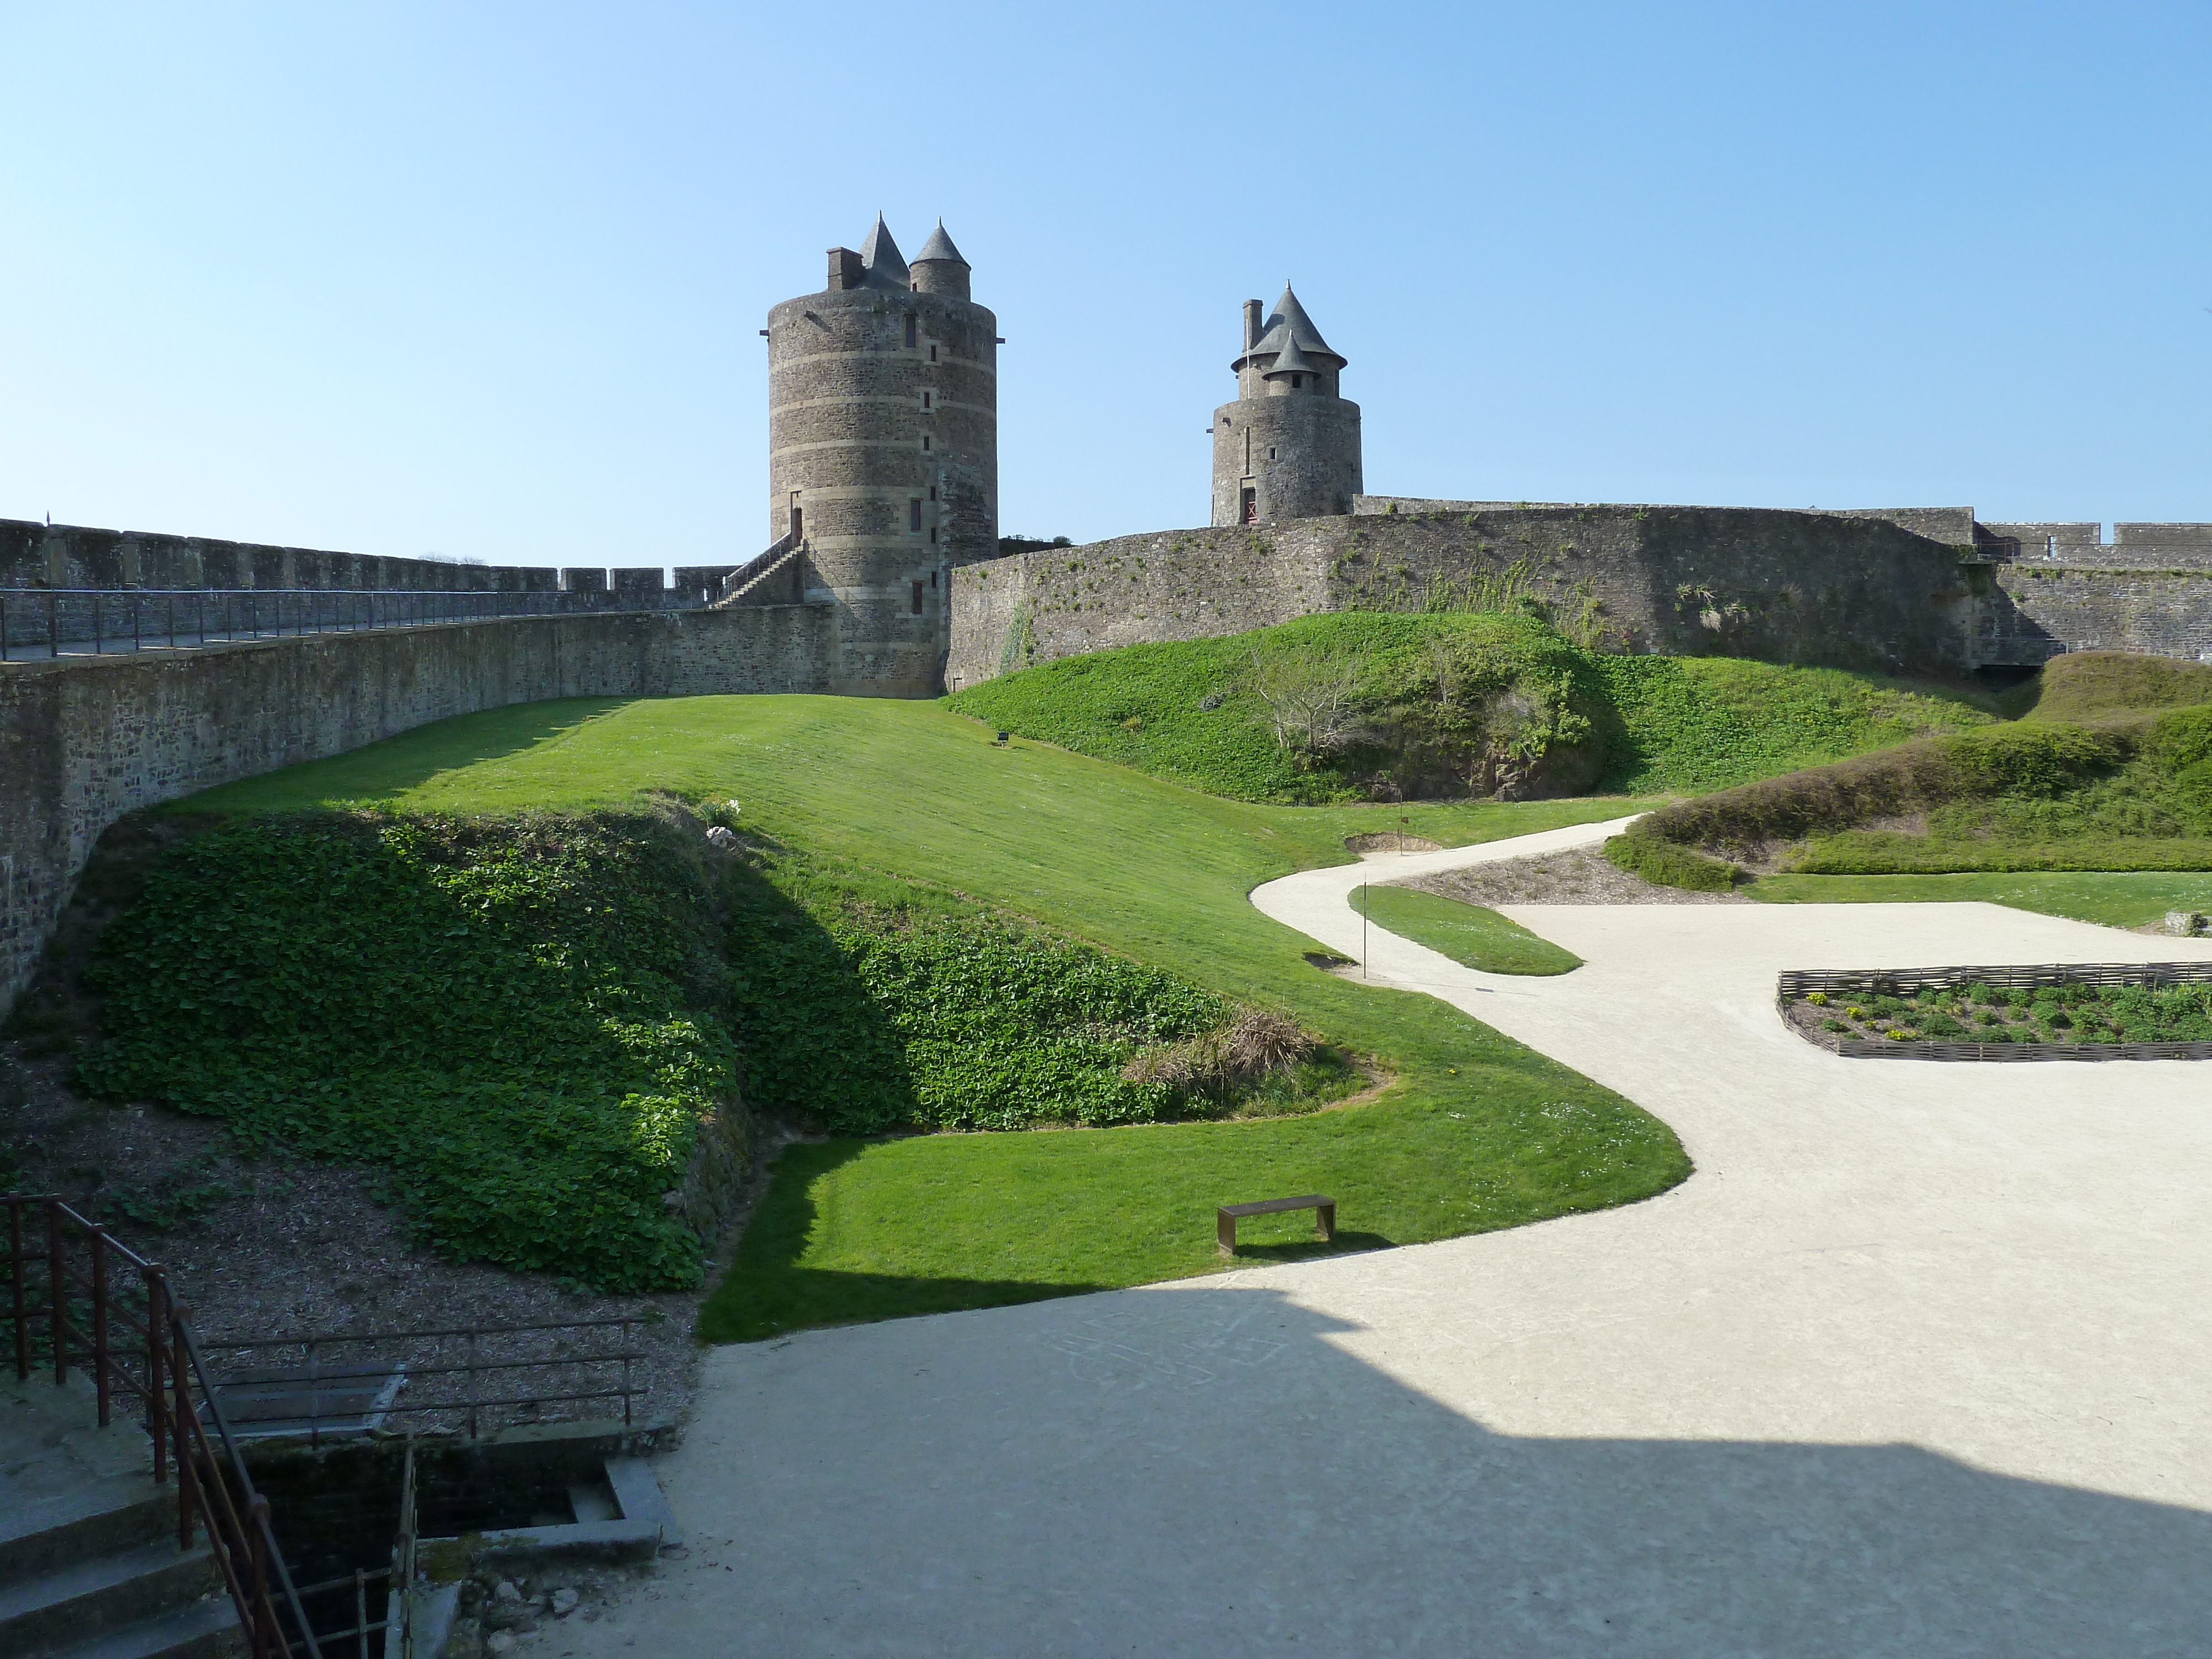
1918 1364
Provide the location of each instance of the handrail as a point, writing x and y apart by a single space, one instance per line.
48 622
736 582
244 1546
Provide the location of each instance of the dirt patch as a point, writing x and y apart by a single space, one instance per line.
1388 843
270 1245
1579 877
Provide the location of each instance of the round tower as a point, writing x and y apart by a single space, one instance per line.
1289 446
884 451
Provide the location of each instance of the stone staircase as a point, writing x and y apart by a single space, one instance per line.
89 1567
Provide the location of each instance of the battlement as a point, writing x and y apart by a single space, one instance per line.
2133 546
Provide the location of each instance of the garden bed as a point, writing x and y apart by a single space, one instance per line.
2072 1011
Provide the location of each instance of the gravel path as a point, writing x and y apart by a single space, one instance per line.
1918 1364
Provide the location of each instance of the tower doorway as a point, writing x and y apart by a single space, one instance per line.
1248 511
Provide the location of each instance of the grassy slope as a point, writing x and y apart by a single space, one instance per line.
1468 933
1667 724
1478 1133
2117 899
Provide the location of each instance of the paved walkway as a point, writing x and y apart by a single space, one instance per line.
1919 1362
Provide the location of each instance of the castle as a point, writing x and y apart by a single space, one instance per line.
884 576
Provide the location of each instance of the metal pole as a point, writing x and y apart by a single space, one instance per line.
58 1282
99 1320
360 1608
97 644
157 1317
1362 930
53 625
263 1614
187 1473
16 1274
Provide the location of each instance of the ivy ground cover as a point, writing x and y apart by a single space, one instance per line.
1475 1132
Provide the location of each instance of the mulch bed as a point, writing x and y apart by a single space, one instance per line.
1583 876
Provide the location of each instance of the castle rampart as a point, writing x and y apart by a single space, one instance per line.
84 741
64 555
1819 588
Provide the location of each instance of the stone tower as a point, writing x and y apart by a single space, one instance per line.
1289 446
884 451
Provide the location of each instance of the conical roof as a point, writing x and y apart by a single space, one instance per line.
1290 334
1289 360
886 268
939 247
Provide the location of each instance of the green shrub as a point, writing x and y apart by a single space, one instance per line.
1446 703
1668 866
504 1020
868 1003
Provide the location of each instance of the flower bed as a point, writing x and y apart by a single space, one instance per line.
2083 1011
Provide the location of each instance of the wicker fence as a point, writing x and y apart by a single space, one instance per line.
1904 981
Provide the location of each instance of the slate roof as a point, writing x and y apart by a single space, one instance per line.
939 247
879 254
1290 337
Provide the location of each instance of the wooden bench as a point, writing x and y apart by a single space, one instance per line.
1225 1218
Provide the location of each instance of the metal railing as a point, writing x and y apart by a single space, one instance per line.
754 568
44 623
536 1367
159 1365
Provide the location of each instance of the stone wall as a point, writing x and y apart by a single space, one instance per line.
83 742
1844 590
34 555
2034 611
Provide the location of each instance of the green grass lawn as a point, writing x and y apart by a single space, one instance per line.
1467 933
1477 1132
2115 898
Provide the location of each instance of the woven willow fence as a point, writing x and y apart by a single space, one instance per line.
1905 982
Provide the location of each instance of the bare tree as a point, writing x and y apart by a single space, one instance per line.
1311 695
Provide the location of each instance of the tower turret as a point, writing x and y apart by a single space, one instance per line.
1289 446
883 451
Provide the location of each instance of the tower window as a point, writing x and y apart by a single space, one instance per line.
925 445
1297 382
926 399
1271 451
917 599
933 535
914 513
909 329
933 354
932 492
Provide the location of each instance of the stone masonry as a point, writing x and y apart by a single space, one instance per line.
1289 446
884 451
84 741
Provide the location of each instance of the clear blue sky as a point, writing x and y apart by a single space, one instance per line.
485 279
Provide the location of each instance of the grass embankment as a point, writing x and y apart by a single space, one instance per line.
1478 1134
1446 703
1467 933
2110 769
509 1022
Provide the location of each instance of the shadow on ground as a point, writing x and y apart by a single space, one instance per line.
1205 1470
